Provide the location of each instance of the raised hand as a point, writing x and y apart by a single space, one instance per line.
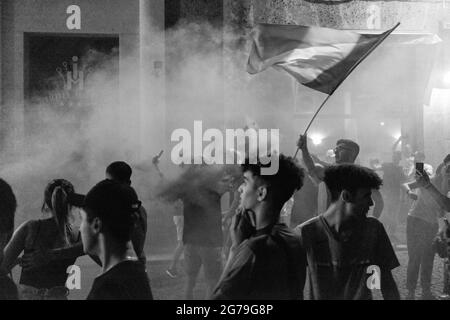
155 159
242 226
302 142
422 179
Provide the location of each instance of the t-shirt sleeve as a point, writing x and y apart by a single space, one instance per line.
236 282
384 253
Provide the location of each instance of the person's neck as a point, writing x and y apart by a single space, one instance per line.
336 218
346 161
264 216
114 252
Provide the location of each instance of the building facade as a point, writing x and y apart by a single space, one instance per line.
50 47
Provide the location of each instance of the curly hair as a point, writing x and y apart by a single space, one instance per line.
284 183
350 177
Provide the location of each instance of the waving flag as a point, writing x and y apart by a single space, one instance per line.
319 58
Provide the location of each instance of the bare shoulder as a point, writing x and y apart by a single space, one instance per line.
28 225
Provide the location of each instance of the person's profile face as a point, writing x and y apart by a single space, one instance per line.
88 236
225 183
361 202
343 154
248 191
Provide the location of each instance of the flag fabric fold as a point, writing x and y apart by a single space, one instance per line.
319 58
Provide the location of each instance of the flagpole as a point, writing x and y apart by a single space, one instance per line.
310 122
349 71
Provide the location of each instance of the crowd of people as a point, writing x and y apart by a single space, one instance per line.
112 231
250 251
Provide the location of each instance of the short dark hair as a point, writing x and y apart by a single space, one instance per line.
8 206
116 204
120 171
282 184
350 177
350 144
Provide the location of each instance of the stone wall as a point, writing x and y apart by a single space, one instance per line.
414 15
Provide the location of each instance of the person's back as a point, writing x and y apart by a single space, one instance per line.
124 281
266 267
121 172
200 187
43 235
393 178
202 219
338 268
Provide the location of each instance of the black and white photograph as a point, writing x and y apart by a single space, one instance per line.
224 154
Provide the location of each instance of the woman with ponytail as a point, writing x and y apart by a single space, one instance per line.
47 281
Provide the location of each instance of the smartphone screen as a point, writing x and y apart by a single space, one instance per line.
419 166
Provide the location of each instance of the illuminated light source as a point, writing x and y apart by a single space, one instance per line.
316 139
381 123
330 153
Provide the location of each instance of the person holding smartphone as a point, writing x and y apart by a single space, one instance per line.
421 229
424 182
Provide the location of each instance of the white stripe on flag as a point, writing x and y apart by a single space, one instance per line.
309 62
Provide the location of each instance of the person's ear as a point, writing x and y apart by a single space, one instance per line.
346 196
96 225
261 193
